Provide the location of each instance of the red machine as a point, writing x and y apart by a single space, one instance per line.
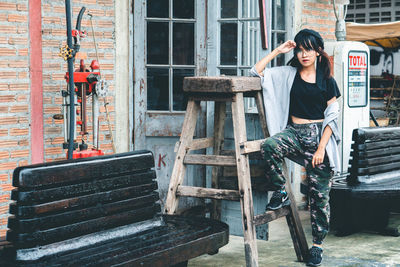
87 84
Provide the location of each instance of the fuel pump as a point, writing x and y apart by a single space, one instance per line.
350 61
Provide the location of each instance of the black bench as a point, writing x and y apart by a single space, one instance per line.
363 199
100 211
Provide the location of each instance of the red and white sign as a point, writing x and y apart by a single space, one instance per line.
357 79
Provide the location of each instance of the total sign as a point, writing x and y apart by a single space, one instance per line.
357 79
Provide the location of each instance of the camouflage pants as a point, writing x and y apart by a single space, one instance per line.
299 142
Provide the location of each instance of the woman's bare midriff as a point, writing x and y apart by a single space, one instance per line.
297 120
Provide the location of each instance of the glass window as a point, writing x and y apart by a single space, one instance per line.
184 9
229 8
158 8
179 97
183 44
157 42
157 89
228 44
170 40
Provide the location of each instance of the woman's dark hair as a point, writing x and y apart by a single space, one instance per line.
311 40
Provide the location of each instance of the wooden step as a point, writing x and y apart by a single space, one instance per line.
251 146
211 160
201 192
270 215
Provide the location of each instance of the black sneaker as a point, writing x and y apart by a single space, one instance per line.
278 200
315 256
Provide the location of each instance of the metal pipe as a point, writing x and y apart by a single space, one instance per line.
71 80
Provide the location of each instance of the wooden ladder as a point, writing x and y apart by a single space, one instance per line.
222 90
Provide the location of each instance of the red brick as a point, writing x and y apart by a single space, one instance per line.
18 41
3 209
52 110
4 155
18 64
17 132
3 132
6 187
8 75
7 52
7 6
7 166
23 52
17 18
19 87
7 98
3 179
53 150
23 163
20 153
7 28
8 120
22 75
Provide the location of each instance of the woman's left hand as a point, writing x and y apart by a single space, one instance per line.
318 157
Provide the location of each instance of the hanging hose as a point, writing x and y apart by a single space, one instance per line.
71 82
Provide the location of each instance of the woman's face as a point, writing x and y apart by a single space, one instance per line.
306 57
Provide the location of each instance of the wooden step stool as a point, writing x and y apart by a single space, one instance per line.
221 90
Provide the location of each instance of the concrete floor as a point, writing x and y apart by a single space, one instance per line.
360 249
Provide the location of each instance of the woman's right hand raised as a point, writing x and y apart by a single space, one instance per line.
286 46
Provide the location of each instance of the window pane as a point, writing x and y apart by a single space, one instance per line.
157 8
184 9
228 72
183 36
280 15
157 42
229 8
180 98
157 89
228 44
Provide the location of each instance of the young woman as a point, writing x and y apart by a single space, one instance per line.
301 110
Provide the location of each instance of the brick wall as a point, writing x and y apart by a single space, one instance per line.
15 117
14 96
319 15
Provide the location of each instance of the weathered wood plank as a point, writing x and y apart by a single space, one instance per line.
261 114
95 186
270 216
219 130
243 170
211 160
81 201
26 240
63 172
200 192
360 135
201 143
221 84
251 146
74 216
179 169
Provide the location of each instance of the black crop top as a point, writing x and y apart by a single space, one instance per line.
308 100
